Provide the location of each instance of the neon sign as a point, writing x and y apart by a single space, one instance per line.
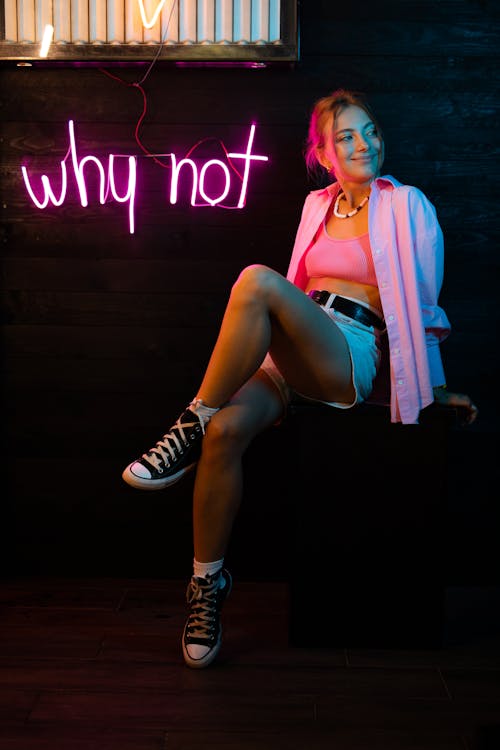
149 24
213 170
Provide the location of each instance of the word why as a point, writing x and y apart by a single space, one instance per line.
213 171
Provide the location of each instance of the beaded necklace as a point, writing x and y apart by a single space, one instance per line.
350 213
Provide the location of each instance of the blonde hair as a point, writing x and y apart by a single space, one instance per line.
322 112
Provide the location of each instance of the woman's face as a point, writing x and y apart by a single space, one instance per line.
352 146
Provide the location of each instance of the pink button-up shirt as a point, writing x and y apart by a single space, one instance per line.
408 254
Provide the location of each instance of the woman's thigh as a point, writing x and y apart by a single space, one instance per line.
307 346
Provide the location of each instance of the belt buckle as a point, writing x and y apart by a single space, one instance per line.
326 298
323 297
330 300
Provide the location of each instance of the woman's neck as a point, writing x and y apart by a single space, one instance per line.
354 193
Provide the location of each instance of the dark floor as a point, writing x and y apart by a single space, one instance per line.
96 665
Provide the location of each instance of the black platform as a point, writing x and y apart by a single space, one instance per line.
369 498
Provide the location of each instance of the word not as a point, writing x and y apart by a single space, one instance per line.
108 182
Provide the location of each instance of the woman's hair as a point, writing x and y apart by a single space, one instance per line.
322 113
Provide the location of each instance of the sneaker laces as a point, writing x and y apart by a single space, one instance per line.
204 612
164 451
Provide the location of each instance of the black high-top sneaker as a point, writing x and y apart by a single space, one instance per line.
202 637
173 456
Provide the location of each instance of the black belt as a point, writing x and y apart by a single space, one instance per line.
346 306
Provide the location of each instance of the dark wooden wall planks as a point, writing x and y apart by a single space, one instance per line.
106 334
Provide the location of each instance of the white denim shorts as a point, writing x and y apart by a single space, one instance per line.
363 343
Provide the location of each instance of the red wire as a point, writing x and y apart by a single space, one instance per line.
153 156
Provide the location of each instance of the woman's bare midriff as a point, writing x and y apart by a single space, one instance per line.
362 292
347 229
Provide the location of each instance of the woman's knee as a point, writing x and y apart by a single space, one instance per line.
227 432
256 281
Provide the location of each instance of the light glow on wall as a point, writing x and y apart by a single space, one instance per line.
108 182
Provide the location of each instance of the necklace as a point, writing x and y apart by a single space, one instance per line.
351 213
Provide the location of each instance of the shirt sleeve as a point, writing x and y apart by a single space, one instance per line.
429 258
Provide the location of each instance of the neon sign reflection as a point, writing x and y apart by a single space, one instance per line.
212 171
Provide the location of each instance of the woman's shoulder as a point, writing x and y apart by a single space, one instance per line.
408 200
410 205
320 196
402 191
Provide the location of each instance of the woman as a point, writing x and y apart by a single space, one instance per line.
368 257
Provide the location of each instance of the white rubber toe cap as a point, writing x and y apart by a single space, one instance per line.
196 651
139 470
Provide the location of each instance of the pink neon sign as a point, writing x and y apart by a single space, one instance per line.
213 170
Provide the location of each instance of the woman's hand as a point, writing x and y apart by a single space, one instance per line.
466 409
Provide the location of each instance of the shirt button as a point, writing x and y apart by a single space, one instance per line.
384 284
395 351
378 251
391 317
401 382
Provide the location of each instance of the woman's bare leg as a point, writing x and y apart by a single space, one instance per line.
218 484
265 312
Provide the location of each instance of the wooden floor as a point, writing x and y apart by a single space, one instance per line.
96 665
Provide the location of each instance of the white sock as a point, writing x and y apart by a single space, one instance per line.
202 410
202 570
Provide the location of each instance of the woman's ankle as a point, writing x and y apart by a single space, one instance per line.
204 412
205 569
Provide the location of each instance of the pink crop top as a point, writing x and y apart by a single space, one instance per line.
349 259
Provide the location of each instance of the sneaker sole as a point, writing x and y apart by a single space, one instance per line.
154 484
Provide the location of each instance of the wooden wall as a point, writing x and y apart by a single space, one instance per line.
106 334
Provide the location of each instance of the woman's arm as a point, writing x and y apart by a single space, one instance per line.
429 253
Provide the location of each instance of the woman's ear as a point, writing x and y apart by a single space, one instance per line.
325 163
